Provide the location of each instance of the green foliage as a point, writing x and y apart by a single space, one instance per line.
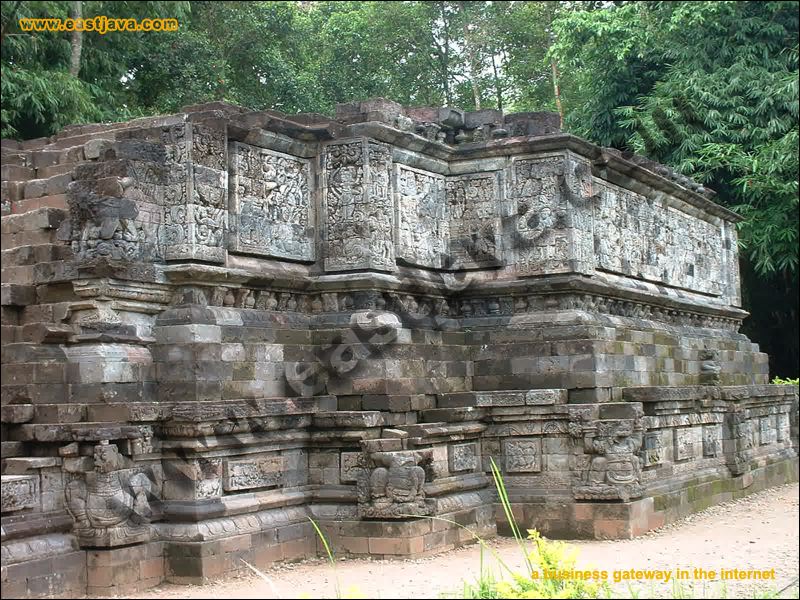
252 54
547 556
39 96
540 555
40 102
288 56
780 381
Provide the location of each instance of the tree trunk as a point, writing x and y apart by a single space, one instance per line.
497 89
557 92
470 50
556 88
446 57
76 43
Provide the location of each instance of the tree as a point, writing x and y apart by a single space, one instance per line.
76 43
50 80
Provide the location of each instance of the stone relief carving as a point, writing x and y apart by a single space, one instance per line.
423 233
463 457
686 442
106 226
712 440
475 235
208 145
783 430
250 473
745 439
611 469
359 207
767 433
390 484
523 455
350 466
710 367
195 213
652 449
646 238
541 238
271 209
174 139
18 492
110 505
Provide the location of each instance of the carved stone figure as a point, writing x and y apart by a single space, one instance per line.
272 211
110 507
709 367
105 226
390 484
744 442
613 471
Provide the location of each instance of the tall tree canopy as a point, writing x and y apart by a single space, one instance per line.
709 88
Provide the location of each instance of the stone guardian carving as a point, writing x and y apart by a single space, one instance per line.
110 505
390 484
613 468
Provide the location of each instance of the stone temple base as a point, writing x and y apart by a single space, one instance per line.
44 566
220 324
413 538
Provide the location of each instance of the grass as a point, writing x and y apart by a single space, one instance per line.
539 556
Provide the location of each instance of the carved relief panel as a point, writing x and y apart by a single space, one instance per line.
545 222
610 467
250 473
390 485
475 235
422 226
523 455
359 208
649 239
195 211
272 211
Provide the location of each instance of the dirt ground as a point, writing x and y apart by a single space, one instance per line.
758 532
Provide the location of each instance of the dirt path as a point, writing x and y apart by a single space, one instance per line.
758 532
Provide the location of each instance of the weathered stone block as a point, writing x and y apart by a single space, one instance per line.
462 457
272 209
19 492
523 455
258 472
686 441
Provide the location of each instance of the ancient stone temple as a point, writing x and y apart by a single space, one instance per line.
221 324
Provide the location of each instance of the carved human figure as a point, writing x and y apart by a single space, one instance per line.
107 512
391 484
710 368
617 462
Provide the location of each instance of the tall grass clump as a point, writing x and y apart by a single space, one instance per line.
539 556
